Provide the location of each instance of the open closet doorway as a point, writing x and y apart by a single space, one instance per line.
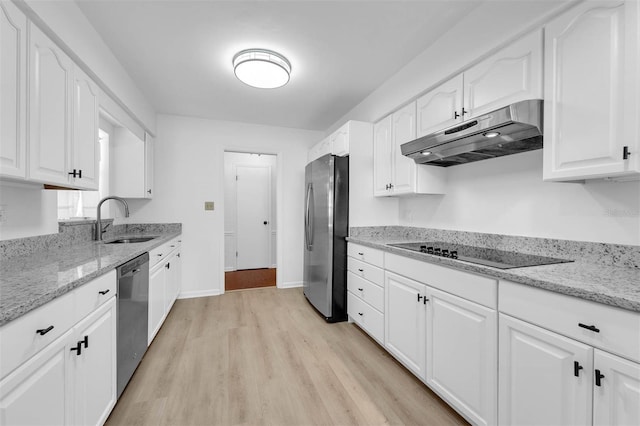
250 220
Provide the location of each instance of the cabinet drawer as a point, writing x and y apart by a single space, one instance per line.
366 290
366 317
618 329
20 338
94 293
158 254
366 254
365 270
472 287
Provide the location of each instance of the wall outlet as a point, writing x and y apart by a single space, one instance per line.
208 205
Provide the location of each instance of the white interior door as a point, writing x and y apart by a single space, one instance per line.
253 189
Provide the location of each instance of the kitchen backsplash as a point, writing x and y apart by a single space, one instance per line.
78 231
583 251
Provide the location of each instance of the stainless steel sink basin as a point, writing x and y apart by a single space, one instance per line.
130 240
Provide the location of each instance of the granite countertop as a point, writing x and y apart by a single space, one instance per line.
27 282
610 285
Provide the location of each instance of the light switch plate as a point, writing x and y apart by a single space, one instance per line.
208 205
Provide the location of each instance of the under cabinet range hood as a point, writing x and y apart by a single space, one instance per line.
509 130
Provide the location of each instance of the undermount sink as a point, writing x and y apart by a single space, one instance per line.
130 240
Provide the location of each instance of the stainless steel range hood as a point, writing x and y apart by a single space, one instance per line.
509 130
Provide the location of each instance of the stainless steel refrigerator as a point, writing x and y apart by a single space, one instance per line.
326 225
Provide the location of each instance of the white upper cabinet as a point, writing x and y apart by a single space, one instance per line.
339 141
510 75
513 74
13 80
395 174
441 107
318 150
49 110
382 166
591 108
404 168
85 148
132 168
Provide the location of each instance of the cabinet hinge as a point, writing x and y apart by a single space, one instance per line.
625 153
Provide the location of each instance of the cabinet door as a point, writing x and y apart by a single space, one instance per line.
616 400
171 283
539 383
339 141
511 75
85 148
157 298
382 143
49 110
39 392
440 108
584 127
404 321
129 165
462 353
404 168
95 372
148 165
13 80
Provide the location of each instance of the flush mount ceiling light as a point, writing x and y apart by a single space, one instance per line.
261 68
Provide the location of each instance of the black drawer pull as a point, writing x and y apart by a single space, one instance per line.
361 254
85 341
576 368
360 289
159 254
360 313
168 265
599 377
103 292
361 270
589 327
44 331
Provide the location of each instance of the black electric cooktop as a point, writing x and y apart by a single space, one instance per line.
480 255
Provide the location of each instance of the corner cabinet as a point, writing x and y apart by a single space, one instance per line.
13 80
393 173
592 92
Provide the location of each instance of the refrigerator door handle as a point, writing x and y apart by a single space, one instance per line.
311 216
306 218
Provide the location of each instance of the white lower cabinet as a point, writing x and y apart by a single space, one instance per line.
71 381
157 304
404 320
462 345
616 393
545 378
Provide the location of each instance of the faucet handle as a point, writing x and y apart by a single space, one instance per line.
105 228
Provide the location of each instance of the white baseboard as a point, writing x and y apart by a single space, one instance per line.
291 284
200 293
229 269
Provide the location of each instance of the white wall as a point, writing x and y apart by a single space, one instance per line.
189 170
28 210
231 161
504 195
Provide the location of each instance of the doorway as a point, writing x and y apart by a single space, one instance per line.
250 228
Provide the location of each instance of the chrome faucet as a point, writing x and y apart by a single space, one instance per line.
99 230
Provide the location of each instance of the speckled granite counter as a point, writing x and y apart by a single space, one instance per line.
30 280
612 285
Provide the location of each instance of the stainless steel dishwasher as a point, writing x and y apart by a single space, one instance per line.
133 316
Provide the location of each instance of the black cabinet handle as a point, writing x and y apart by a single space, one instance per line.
464 111
80 174
419 297
172 246
159 254
148 191
168 265
360 289
425 300
178 255
103 292
360 254
589 327
78 349
576 368
44 331
455 114
73 173
360 313
599 377
85 341
361 270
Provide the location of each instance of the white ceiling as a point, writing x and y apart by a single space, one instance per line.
179 52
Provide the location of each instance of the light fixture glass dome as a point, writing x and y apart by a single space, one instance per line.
261 68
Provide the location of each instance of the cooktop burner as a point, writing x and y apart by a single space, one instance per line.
480 255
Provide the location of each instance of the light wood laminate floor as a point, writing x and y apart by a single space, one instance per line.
264 357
